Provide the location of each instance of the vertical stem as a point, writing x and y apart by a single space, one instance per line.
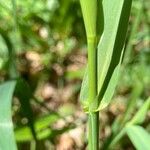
92 74
94 131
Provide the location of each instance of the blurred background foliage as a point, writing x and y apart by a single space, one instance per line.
43 46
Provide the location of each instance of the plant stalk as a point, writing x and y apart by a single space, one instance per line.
93 136
94 131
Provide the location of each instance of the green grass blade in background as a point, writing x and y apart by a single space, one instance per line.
138 118
141 114
131 105
41 126
7 141
136 22
139 137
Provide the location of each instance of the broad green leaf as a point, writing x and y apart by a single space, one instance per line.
7 140
141 114
41 127
139 137
110 49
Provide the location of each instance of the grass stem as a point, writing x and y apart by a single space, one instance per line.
92 73
94 131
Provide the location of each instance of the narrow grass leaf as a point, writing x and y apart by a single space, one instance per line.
117 138
111 44
136 22
110 88
139 137
137 119
135 94
141 114
7 140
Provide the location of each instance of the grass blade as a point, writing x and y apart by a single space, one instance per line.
41 126
139 137
129 53
110 88
130 107
7 140
110 47
141 114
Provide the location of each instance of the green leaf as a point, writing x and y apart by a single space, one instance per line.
41 127
135 94
135 24
141 114
7 140
110 49
137 119
110 88
139 137
111 44
117 138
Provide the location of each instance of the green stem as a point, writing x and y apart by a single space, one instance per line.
94 131
92 74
